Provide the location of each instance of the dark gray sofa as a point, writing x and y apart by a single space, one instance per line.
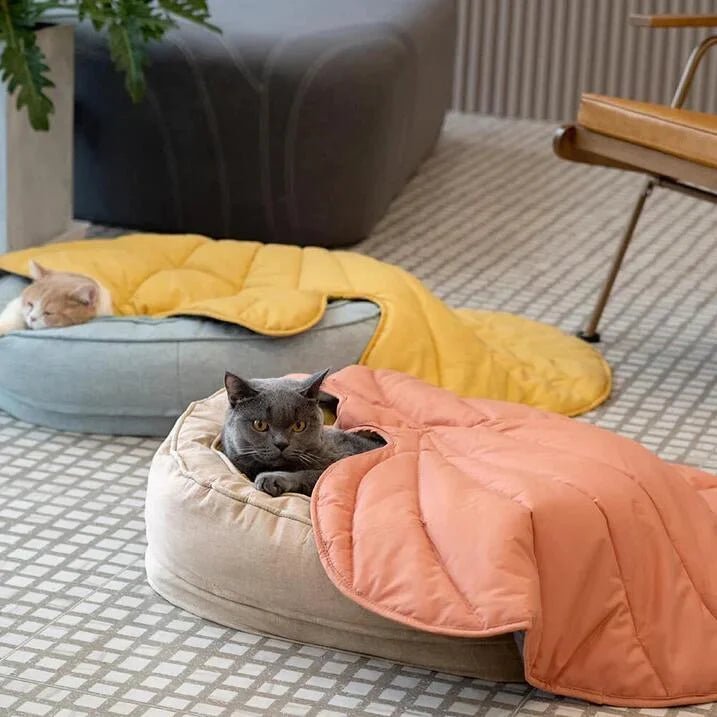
298 124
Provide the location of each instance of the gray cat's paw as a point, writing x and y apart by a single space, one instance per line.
275 483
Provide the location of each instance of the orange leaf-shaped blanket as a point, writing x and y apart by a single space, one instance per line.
481 517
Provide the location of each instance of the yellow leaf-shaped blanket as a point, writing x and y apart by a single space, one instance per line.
283 290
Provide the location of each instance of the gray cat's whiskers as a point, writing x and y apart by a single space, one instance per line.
307 459
250 452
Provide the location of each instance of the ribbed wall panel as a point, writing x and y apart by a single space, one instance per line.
533 58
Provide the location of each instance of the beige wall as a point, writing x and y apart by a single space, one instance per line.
532 58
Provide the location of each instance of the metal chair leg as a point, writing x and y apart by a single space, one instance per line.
590 333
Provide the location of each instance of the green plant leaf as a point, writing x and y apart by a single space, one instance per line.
196 11
98 12
126 48
23 65
25 70
130 25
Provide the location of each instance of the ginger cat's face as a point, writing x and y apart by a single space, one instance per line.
57 299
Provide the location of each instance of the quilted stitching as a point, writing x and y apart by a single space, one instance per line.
283 290
480 518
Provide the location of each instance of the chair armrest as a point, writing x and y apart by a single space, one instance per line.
674 20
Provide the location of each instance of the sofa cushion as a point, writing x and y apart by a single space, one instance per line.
298 124
134 376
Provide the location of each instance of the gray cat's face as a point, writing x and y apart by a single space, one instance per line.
275 421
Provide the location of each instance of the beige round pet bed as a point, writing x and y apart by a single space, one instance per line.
229 553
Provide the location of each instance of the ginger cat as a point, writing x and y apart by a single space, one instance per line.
55 299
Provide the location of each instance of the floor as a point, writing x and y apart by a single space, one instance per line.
491 221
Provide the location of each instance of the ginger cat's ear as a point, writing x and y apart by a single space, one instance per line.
37 271
86 294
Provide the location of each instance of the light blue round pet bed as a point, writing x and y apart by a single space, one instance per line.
135 376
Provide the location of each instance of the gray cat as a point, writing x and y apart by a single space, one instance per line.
274 433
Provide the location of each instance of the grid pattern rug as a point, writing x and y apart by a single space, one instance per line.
492 221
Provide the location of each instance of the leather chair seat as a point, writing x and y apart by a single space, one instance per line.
681 133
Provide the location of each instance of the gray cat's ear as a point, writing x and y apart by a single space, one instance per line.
237 389
86 294
311 386
37 271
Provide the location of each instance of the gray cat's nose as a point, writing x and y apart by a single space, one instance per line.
281 443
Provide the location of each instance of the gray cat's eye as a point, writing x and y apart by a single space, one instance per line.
259 425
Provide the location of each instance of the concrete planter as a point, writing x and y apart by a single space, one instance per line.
36 167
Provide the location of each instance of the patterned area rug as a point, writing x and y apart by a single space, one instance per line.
491 221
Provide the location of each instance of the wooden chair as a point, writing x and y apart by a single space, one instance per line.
676 148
